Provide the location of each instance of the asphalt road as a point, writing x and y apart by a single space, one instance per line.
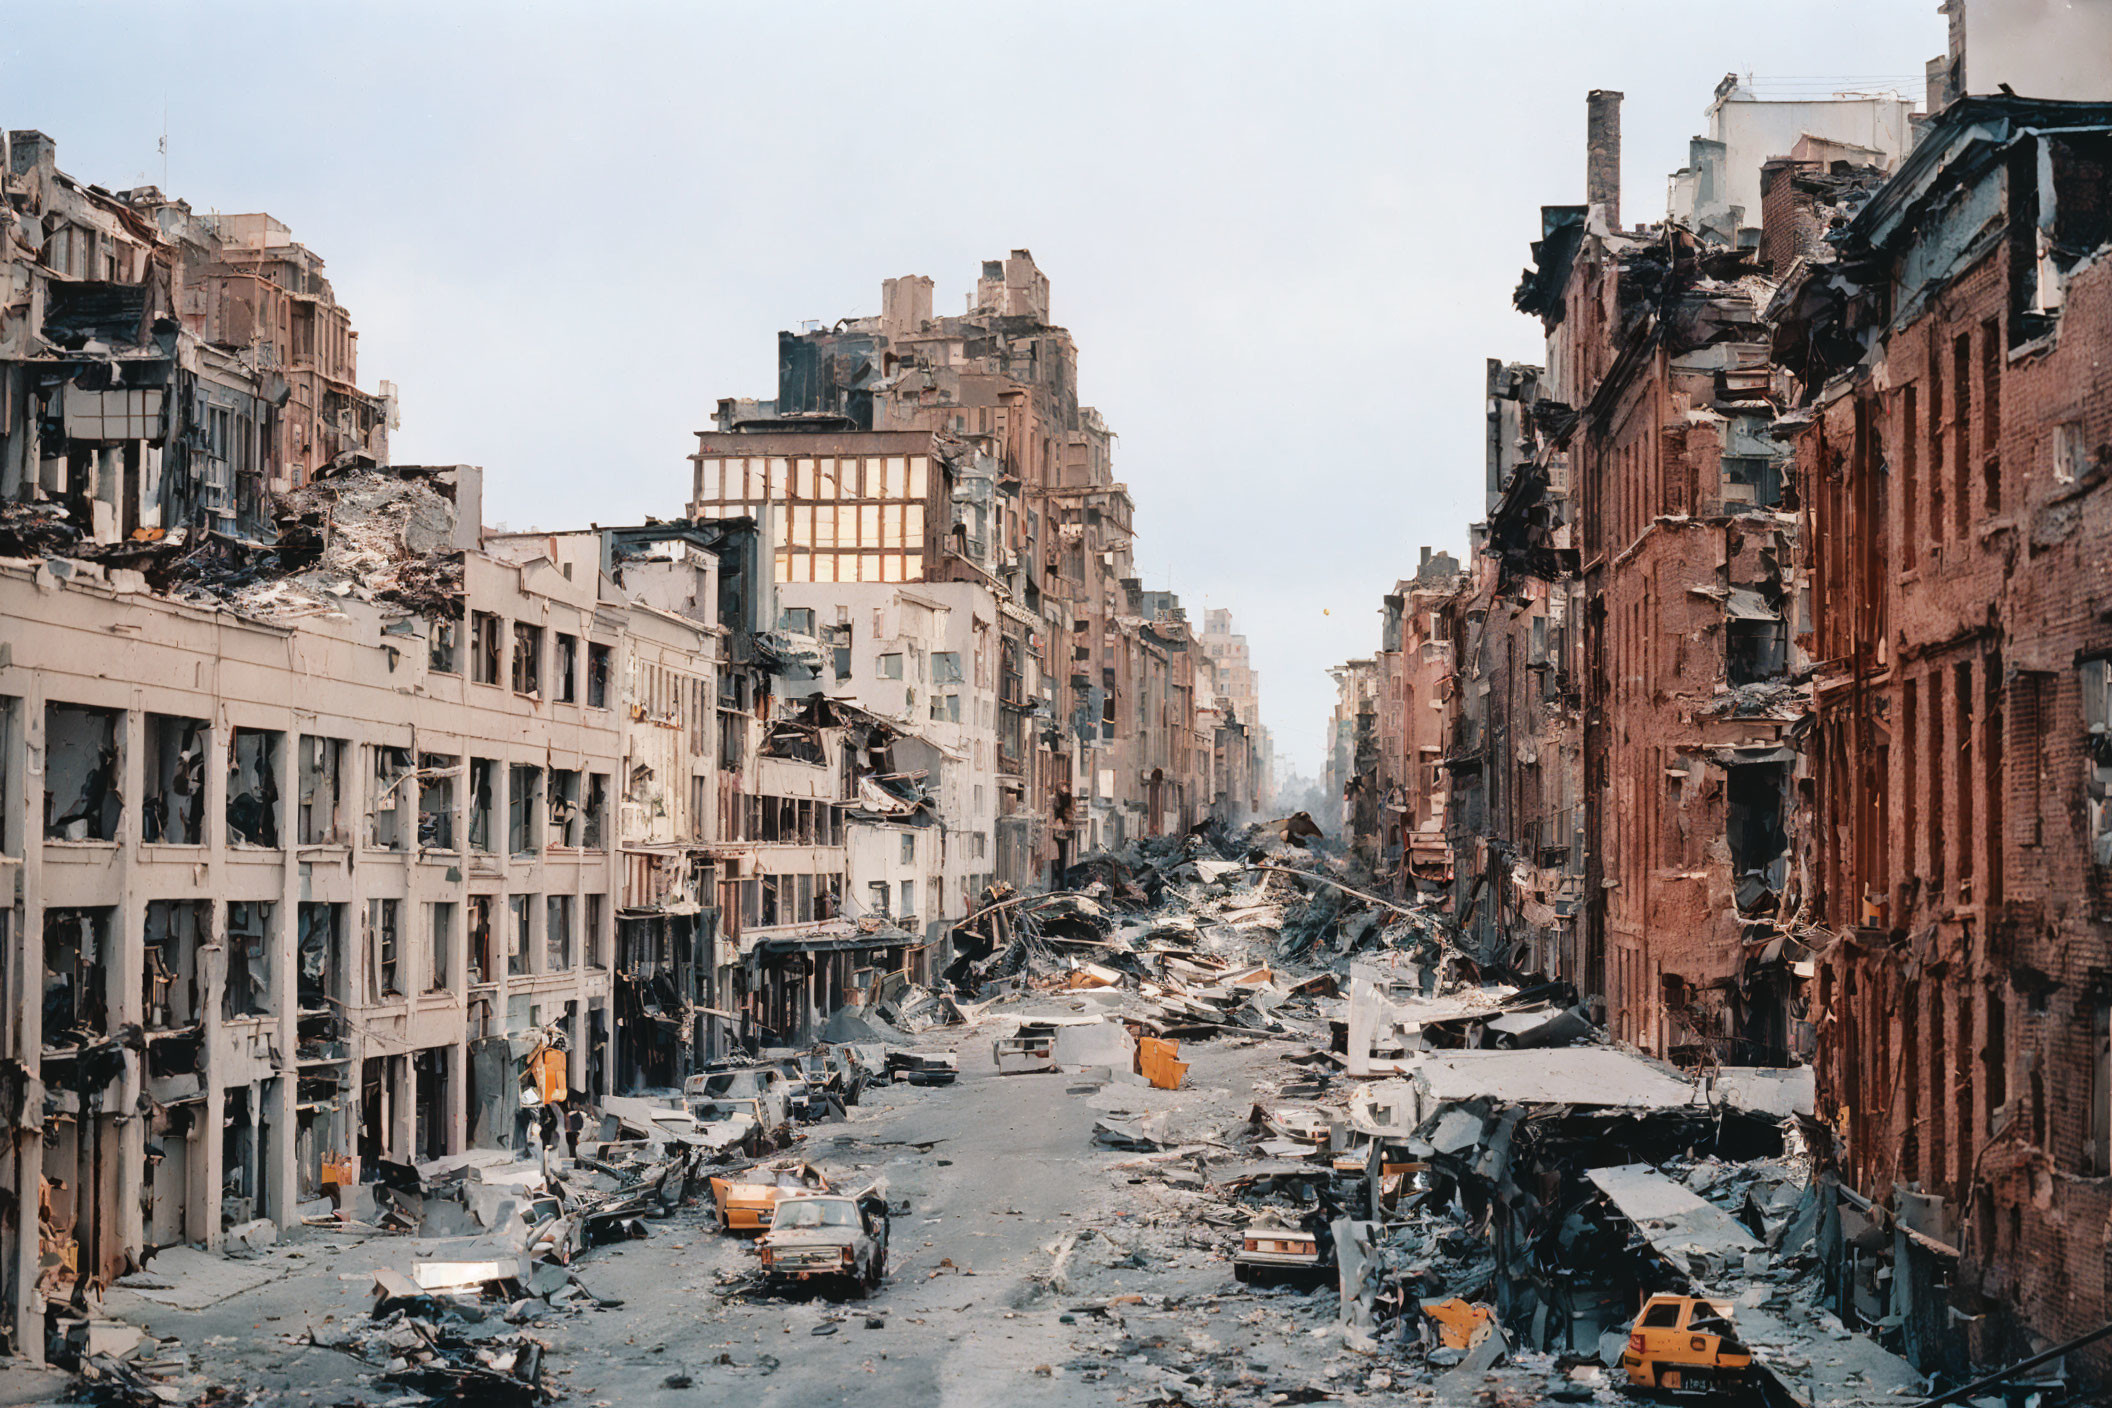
997 1172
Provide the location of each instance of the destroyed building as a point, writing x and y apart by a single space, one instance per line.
161 370
1415 682
1017 492
1945 331
1513 754
1686 556
301 848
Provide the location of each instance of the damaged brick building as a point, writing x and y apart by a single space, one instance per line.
1948 340
1777 693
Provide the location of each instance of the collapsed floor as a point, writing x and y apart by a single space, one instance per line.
1199 1049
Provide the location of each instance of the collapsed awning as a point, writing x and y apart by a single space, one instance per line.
833 943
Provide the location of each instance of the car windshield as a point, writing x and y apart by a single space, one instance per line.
709 1110
817 1212
722 1083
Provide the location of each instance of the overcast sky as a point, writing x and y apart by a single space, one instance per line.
1284 236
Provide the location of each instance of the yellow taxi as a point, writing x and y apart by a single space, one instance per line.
1685 1344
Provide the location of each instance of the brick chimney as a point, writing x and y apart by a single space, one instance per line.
1602 153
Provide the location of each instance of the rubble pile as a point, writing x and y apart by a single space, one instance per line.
1428 1176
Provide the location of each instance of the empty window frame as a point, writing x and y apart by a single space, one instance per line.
82 772
254 759
390 790
524 809
478 940
384 949
439 945
593 915
437 776
173 810
322 789
170 983
909 902
567 822
248 990
521 914
597 676
594 828
76 946
484 647
483 774
564 670
527 658
319 978
2096 680
909 847
557 933
443 647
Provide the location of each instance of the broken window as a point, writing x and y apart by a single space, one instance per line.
2097 1155
557 933
699 803
946 667
484 648
247 992
770 911
480 969
441 648
10 844
522 912
322 784
436 801
909 847
384 949
527 658
524 809
321 940
2096 677
799 620
82 800
1756 794
597 676
876 897
173 810
1755 649
596 905
594 819
389 799
169 980
566 822
481 773
733 730
253 788
564 670
890 666
439 944
909 901
76 946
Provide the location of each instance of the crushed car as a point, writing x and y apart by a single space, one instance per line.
1273 1252
747 1201
1687 1345
836 1241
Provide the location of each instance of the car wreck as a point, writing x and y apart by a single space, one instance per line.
834 1241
